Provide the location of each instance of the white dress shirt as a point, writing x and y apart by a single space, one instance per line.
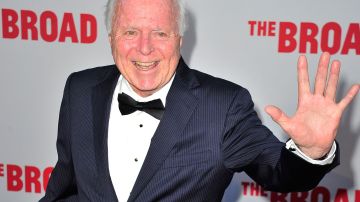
130 135
129 138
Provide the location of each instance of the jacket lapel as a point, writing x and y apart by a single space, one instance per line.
180 104
102 95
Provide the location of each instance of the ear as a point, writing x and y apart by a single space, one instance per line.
109 37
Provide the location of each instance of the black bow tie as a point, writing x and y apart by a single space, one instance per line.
128 105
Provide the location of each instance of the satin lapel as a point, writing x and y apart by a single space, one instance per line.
180 105
101 102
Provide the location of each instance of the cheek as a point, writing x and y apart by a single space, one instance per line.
121 51
126 46
168 50
123 48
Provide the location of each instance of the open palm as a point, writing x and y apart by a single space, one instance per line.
314 125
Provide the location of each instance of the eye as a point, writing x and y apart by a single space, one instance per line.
160 35
130 34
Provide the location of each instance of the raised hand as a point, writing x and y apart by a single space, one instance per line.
314 126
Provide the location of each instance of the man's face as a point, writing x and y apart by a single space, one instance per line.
145 43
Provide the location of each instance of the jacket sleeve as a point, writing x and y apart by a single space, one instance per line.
251 147
62 183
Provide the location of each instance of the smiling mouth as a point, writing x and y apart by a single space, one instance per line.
145 65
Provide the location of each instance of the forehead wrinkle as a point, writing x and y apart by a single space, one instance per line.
144 10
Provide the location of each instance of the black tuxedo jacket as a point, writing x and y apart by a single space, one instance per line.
209 131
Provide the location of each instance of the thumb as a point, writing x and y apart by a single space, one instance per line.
277 115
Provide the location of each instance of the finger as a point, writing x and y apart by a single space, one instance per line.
303 77
320 79
277 115
333 80
349 96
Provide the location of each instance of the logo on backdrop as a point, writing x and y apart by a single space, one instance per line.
30 179
309 37
48 26
320 193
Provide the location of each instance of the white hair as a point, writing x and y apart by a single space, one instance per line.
178 4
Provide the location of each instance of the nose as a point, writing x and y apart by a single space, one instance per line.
145 46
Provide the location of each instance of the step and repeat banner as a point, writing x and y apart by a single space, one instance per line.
252 43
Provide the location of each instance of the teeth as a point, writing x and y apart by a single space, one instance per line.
144 65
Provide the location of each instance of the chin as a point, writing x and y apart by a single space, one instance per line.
146 90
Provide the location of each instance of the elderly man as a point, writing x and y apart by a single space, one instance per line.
117 141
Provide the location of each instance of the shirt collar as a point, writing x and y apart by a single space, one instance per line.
124 87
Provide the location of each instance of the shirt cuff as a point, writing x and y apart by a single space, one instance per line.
290 145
